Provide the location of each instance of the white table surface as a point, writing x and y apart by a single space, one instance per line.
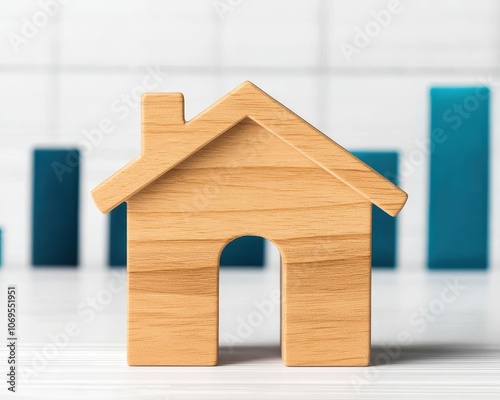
452 352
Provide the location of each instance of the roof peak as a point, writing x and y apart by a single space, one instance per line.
168 144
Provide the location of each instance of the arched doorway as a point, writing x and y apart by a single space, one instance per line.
249 300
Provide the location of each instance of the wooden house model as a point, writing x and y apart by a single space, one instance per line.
245 166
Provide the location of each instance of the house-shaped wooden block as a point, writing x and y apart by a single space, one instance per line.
245 166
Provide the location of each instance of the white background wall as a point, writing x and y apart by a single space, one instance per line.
67 77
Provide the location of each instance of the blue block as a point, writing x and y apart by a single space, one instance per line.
246 251
117 252
459 175
384 232
56 180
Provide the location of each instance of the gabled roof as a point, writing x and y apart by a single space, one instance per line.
167 144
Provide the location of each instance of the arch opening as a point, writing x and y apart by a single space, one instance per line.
249 300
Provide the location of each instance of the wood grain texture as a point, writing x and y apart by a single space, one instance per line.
270 174
179 225
167 141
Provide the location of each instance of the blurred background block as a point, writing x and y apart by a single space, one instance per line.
245 251
459 178
56 180
117 236
383 226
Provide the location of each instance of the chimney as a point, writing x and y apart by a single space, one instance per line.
161 113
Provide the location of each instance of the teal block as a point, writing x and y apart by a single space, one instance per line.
384 227
56 188
459 178
246 251
117 236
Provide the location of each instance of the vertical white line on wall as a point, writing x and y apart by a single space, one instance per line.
323 61
494 195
